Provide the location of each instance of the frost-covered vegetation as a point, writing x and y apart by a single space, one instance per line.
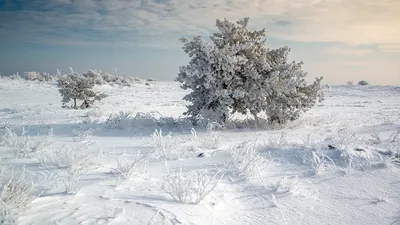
238 73
99 77
77 87
40 76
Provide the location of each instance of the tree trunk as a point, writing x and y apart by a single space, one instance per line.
224 118
85 104
257 120
75 103
275 120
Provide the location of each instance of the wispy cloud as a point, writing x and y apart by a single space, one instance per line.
349 50
149 22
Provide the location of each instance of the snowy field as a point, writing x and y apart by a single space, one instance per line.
337 164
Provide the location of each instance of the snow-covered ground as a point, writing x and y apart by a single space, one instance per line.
340 174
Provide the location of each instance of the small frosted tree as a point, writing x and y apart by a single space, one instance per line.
238 73
363 82
76 87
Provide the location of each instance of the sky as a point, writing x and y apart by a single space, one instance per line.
340 40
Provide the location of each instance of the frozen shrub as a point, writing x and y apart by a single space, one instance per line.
120 120
350 82
362 82
101 78
81 135
190 187
68 157
95 76
32 75
247 161
165 146
287 184
24 146
395 137
14 76
77 87
125 81
36 76
28 147
238 73
348 151
70 179
212 141
135 167
16 192
9 138
321 162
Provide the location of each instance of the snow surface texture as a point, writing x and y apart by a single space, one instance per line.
336 164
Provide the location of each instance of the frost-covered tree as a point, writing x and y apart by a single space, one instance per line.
238 73
101 78
363 82
33 76
76 87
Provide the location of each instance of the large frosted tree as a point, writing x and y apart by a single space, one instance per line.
236 72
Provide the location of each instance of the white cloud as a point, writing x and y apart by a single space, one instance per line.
348 50
357 22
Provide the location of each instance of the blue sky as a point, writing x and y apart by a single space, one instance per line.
340 40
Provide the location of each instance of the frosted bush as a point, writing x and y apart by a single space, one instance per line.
94 113
95 76
344 140
321 162
190 187
247 161
194 141
26 146
36 76
81 135
238 73
277 143
100 78
70 179
9 138
68 157
395 137
287 185
211 141
351 152
120 120
375 138
148 122
16 192
165 146
136 167
394 151
363 82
